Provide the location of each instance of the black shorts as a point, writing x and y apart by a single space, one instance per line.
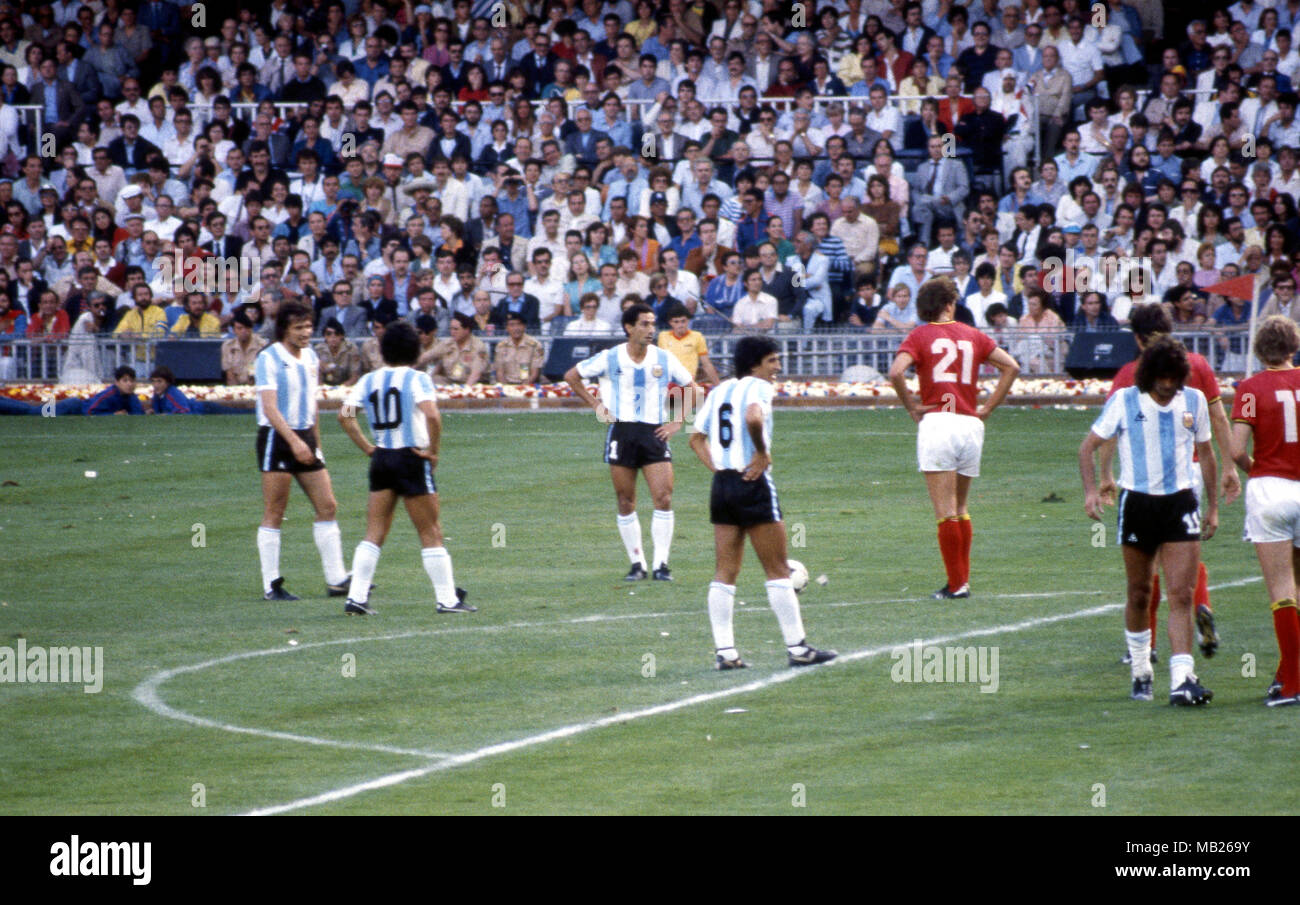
735 501
1146 521
401 471
633 444
273 454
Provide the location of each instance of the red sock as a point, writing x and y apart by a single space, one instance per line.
1202 597
950 549
1286 624
1153 605
967 531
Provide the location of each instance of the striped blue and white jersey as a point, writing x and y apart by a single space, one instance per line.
295 381
390 398
638 392
1157 444
722 420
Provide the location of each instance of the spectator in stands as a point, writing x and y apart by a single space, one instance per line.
240 351
518 358
197 321
689 346
588 323
340 362
462 358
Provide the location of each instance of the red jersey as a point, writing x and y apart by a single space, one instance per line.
1268 402
948 356
1201 377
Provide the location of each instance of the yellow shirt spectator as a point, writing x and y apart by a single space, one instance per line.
689 349
208 325
148 322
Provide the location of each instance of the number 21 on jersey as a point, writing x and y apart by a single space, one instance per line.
951 351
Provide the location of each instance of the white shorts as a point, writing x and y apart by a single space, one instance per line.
1272 510
947 441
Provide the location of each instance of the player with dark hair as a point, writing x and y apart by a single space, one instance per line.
1264 411
288 446
637 413
115 399
733 439
169 400
950 439
1159 424
1148 322
402 407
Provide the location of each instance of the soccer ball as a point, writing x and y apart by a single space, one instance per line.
798 575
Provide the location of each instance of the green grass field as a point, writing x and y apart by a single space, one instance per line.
561 643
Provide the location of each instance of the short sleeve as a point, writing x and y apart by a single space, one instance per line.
1202 417
701 346
595 366
1107 424
1239 406
911 346
262 372
1208 383
357 392
986 344
422 388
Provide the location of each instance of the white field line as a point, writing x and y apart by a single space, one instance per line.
147 692
573 729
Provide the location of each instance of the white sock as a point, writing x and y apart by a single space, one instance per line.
1139 652
629 528
722 603
268 551
661 532
437 563
1180 669
329 541
785 603
364 561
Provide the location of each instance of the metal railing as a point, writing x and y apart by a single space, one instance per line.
823 354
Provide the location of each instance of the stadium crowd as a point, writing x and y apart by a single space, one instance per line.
516 168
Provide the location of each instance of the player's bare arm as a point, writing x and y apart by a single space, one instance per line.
762 458
1223 440
695 392
575 382
1241 437
1210 475
348 421
1108 489
898 380
433 423
1093 504
1008 370
700 444
710 372
301 451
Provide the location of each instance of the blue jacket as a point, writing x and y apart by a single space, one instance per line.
111 400
173 402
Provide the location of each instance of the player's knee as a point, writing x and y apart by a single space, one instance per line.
663 500
326 510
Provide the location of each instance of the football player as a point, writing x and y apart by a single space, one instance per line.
288 447
402 408
639 430
733 439
1264 411
950 436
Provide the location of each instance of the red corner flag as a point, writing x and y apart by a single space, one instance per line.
1242 287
